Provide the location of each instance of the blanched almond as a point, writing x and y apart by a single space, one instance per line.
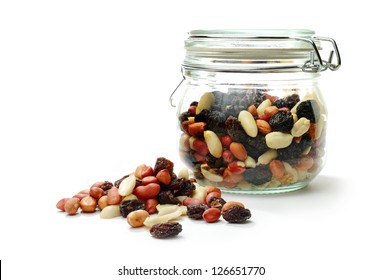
213 143
205 102
248 123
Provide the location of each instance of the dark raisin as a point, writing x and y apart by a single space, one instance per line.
236 214
167 197
292 153
216 202
292 100
308 109
163 163
216 121
181 186
129 206
106 186
202 116
214 162
235 130
279 103
233 110
259 175
194 103
187 190
195 211
281 121
165 230
256 146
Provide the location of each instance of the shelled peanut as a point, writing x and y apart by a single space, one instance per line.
150 196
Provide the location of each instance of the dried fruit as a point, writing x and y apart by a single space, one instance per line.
195 211
281 121
167 197
129 206
165 230
309 109
291 100
259 175
163 163
236 214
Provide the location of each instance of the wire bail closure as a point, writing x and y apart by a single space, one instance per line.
314 65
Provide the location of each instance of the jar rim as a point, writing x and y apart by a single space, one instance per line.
257 50
251 33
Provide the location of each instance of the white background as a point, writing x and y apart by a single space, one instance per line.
84 89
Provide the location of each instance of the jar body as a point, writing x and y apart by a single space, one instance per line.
252 132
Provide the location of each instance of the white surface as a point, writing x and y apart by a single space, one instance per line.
84 88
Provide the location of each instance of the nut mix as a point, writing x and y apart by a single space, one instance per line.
248 138
155 197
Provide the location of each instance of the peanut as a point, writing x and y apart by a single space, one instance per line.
137 218
263 126
205 102
150 221
102 202
61 204
211 215
213 143
250 162
164 176
110 211
210 175
149 191
150 205
96 192
143 170
113 196
261 108
300 127
184 144
72 205
248 123
238 150
199 193
277 168
278 140
267 157
230 204
88 204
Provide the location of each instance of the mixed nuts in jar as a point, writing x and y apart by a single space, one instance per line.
251 117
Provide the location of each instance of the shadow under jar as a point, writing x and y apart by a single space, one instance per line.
251 115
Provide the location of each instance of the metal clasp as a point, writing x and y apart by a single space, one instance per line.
316 63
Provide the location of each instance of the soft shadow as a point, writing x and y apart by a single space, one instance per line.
323 192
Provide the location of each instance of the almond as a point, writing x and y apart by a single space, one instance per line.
205 102
248 123
213 143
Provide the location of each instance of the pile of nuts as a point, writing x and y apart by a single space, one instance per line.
248 138
155 197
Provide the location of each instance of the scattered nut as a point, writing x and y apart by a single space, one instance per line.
72 205
211 215
137 218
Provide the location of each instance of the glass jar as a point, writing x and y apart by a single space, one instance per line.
251 115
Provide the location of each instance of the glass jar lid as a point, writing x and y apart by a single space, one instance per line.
258 50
